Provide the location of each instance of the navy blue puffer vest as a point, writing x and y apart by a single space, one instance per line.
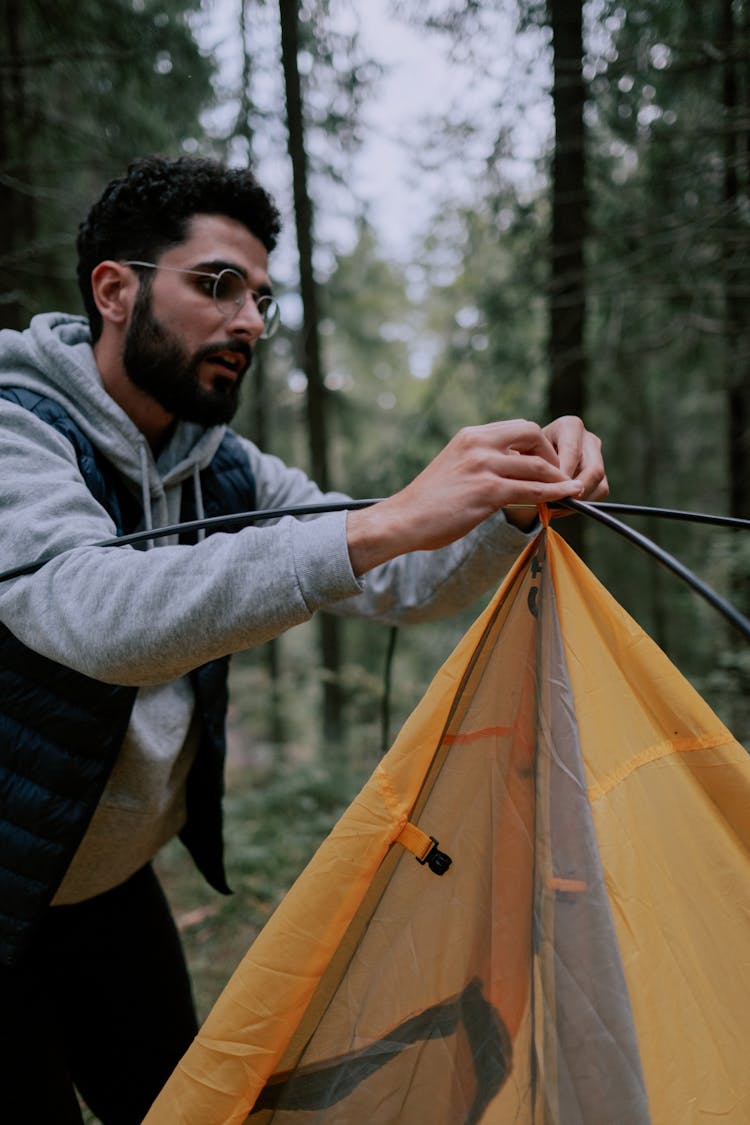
60 731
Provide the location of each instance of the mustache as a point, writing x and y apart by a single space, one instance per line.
241 347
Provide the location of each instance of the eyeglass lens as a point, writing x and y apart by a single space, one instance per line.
230 294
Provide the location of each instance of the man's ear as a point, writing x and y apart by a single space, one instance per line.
115 288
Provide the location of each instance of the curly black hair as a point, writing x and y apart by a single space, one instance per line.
144 212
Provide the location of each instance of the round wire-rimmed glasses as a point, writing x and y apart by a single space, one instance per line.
229 291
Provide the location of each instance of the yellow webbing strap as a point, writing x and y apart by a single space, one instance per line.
415 841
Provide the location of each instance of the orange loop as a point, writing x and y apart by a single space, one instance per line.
553 513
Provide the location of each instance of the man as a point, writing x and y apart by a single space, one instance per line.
114 659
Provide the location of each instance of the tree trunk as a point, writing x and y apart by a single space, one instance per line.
259 412
316 400
567 292
277 728
736 281
738 374
16 206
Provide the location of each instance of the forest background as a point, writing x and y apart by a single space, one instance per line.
573 237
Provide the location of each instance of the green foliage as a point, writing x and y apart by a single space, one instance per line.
668 254
462 19
658 289
487 317
113 82
367 327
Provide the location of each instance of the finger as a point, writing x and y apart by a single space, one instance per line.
519 436
517 466
539 492
599 491
567 435
591 471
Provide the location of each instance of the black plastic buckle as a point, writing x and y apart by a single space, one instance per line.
436 860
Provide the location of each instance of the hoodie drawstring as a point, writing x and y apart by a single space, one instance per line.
199 509
148 521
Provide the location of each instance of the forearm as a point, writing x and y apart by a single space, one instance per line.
424 585
134 617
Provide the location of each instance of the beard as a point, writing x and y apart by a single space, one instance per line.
157 363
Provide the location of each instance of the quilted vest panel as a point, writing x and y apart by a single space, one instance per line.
60 731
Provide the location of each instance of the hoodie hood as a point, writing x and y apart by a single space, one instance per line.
54 358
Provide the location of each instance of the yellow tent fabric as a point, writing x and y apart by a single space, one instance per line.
585 957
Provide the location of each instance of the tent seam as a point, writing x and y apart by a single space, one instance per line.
654 754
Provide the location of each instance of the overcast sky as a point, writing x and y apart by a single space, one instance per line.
418 80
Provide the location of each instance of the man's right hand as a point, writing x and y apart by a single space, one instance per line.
483 469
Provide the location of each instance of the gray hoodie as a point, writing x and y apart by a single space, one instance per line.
147 618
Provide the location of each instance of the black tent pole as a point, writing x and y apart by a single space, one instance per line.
215 523
738 620
667 513
599 511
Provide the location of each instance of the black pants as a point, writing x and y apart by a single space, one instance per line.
102 1003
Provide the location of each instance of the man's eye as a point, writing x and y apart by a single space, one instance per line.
206 285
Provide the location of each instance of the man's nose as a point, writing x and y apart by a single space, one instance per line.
247 320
